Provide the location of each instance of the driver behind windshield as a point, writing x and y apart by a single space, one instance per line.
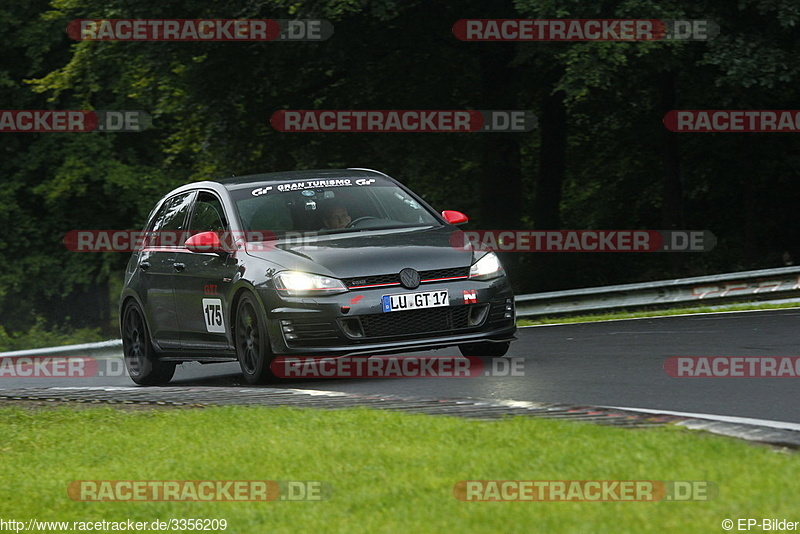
335 216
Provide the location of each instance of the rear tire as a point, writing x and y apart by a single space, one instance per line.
252 341
485 349
140 357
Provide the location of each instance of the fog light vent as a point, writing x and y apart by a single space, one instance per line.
477 314
352 327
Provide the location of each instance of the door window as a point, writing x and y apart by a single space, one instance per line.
169 226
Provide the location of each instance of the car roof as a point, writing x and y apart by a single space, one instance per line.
327 174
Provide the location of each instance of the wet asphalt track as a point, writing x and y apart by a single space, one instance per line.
616 363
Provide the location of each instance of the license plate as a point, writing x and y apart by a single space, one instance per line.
415 301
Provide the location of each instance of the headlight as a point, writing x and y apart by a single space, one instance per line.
486 268
299 284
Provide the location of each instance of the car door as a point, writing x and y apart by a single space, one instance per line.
157 263
201 286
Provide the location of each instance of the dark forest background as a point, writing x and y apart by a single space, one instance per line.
600 159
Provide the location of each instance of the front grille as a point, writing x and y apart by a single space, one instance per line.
373 280
409 323
412 324
394 278
444 273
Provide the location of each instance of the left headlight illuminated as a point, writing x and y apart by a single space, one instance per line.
486 268
300 284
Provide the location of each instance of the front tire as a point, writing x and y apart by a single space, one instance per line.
485 349
252 341
141 361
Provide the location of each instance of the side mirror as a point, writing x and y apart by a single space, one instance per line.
454 217
205 242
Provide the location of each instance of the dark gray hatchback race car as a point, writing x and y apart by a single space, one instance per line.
306 263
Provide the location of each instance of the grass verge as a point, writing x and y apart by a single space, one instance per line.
390 472
654 313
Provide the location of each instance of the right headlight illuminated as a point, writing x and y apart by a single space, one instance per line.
486 268
300 284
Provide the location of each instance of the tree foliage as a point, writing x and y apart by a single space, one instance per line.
601 159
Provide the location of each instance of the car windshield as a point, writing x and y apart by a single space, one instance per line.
327 206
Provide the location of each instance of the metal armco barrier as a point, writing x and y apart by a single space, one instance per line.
772 284
100 349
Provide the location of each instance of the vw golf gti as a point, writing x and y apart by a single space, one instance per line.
305 263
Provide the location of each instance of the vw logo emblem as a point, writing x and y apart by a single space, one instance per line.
409 278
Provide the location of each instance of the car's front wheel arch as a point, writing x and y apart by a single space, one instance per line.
141 360
250 336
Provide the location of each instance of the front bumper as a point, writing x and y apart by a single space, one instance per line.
354 323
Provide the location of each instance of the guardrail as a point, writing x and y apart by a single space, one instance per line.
773 284
100 349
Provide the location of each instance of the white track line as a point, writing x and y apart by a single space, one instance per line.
782 425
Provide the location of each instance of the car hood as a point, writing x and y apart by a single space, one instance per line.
369 252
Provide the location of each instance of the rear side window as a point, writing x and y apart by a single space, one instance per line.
169 226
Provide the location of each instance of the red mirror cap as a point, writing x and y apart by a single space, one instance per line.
205 242
454 217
